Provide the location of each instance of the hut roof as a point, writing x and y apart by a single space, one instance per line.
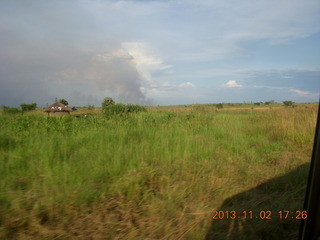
57 107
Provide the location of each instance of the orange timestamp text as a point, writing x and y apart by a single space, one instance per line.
263 214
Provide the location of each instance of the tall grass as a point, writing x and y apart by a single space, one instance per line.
148 175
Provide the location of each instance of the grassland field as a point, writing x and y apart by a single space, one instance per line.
153 175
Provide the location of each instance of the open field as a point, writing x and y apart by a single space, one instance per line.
154 175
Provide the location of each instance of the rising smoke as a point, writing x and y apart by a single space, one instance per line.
108 75
116 72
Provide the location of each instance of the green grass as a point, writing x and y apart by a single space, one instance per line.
150 175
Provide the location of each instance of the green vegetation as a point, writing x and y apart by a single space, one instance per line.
90 107
107 102
63 101
269 102
121 108
219 105
28 107
288 103
152 175
10 110
24 108
110 108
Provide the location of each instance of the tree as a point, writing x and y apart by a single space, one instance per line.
219 105
106 103
288 103
28 107
63 101
269 102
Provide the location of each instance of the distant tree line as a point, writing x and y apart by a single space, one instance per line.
110 107
23 108
28 107
10 110
269 102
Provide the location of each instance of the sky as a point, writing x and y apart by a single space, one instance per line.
161 52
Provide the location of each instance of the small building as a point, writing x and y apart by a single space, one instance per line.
58 109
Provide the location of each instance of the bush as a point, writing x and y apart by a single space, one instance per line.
288 103
115 109
63 101
121 108
28 107
219 105
107 103
109 107
135 108
269 102
10 110
90 107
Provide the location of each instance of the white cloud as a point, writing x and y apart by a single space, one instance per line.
232 84
301 93
187 85
271 87
167 88
145 59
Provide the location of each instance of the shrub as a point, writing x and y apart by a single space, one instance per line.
219 105
28 107
269 102
107 103
63 101
288 103
10 110
121 108
116 109
109 107
135 108
90 107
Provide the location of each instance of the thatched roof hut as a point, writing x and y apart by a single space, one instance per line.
57 109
